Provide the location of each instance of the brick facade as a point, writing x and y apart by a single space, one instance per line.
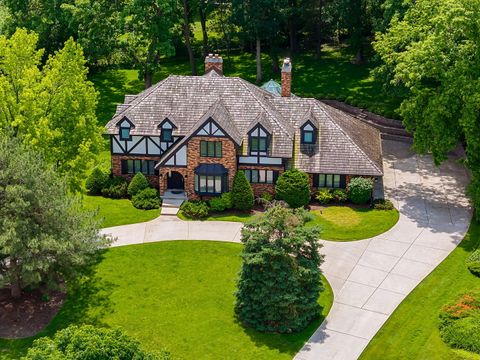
117 167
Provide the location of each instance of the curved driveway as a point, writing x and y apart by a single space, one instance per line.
369 277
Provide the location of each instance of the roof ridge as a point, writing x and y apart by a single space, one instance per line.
349 138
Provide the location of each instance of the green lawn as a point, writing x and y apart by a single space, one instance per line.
225 216
411 332
343 223
114 212
176 295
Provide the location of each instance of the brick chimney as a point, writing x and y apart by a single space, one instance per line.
286 78
214 62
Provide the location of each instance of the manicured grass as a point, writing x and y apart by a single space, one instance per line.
114 212
344 223
411 332
176 295
225 216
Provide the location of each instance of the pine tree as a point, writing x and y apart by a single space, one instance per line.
242 193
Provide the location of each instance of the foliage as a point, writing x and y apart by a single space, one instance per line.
267 196
460 322
146 199
360 190
279 282
293 186
96 181
324 196
339 195
87 342
383 204
138 183
242 193
432 52
116 188
221 203
50 107
45 236
195 209
473 262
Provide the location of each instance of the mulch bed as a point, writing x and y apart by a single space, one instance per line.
27 315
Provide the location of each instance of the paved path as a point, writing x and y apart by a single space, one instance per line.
370 277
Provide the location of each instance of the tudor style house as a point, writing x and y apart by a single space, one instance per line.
193 133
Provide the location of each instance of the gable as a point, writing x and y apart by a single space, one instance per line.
210 128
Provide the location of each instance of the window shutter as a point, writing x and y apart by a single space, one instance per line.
124 167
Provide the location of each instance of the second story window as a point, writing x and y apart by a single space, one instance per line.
309 134
211 149
258 139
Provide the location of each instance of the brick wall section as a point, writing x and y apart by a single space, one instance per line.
228 159
259 189
117 167
286 84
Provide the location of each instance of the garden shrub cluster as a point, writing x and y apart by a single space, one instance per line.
96 181
383 204
460 322
146 199
195 209
138 183
293 187
473 262
325 196
116 188
360 190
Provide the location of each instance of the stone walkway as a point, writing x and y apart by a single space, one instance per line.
369 277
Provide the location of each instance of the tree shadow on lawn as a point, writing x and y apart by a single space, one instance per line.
88 299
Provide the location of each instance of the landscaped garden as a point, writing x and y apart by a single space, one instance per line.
175 295
412 332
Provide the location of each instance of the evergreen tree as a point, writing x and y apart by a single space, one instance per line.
293 187
242 193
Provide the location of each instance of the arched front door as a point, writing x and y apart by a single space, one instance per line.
175 181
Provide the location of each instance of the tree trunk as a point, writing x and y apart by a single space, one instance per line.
292 34
186 33
274 57
203 22
147 79
318 31
15 285
258 59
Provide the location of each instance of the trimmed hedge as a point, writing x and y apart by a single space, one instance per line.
293 187
195 209
242 193
383 204
473 262
146 199
221 203
96 181
138 183
360 190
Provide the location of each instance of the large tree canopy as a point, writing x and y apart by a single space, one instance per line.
50 107
45 235
434 52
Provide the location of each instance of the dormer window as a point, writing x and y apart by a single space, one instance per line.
308 133
166 132
258 140
125 127
166 135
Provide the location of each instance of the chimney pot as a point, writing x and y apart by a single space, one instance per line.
286 78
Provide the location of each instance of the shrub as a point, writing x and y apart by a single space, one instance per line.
195 209
473 262
221 203
339 195
138 183
116 188
383 204
266 196
96 181
89 343
227 200
360 190
242 193
293 186
146 199
324 196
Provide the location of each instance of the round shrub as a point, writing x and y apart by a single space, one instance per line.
242 193
473 262
324 196
89 343
96 181
217 204
360 190
138 183
293 186
383 204
339 195
195 209
266 196
146 199
115 188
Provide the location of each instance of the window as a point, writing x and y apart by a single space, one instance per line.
309 134
211 148
166 135
258 140
210 184
146 167
125 133
255 176
329 181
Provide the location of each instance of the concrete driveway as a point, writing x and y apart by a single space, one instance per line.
370 278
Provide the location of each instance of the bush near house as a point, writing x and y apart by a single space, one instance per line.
146 199
96 181
195 209
383 204
473 262
360 190
339 195
242 193
89 343
324 196
138 183
293 186
116 188
221 203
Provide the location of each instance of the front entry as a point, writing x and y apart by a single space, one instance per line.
175 181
